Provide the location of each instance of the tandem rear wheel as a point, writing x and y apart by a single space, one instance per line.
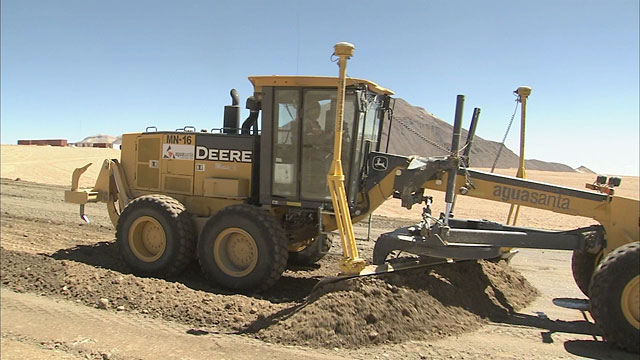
242 247
155 236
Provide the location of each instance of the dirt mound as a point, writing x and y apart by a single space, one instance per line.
412 305
173 301
429 303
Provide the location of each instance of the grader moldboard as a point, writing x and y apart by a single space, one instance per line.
246 199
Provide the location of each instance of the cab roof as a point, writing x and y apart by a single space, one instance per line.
311 81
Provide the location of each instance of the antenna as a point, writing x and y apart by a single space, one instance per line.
298 38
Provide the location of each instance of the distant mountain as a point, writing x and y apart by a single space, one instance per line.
435 131
101 138
585 170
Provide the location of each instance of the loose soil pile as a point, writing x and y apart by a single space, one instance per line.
411 305
420 304
112 290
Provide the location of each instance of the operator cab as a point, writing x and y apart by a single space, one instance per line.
298 129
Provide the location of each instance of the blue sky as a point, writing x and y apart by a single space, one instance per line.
71 69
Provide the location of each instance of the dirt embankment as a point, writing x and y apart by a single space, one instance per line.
414 305
46 250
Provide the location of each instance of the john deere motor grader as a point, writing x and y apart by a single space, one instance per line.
244 199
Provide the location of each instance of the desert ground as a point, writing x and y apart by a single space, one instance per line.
66 295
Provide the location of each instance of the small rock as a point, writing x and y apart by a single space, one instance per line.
253 310
120 308
65 288
145 311
106 356
103 303
25 235
370 319
373 335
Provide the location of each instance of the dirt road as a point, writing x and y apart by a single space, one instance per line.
65 294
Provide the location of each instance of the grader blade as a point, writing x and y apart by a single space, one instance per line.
384 268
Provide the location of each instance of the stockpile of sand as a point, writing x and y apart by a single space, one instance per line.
412 305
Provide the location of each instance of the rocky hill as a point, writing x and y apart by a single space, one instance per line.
101 138
585 170
404 141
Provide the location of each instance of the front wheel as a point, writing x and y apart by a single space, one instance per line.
243 248
615 296
583 264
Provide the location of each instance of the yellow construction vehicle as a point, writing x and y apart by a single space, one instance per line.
244 199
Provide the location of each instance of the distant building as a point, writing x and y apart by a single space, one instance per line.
95 145
103 145
54 142
81 144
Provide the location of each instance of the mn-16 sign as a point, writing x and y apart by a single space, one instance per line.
207 147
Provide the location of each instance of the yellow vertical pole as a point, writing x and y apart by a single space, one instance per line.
523 92
351 263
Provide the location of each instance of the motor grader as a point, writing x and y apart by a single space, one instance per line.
247 198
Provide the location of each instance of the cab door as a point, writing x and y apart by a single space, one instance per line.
286 144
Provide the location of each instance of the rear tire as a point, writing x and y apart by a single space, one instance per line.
155 237
243 248
314 252
583 264
615 296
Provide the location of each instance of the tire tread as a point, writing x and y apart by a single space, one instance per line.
602 310
184 228
273 231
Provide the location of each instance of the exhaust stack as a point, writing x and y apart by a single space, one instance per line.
232 114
